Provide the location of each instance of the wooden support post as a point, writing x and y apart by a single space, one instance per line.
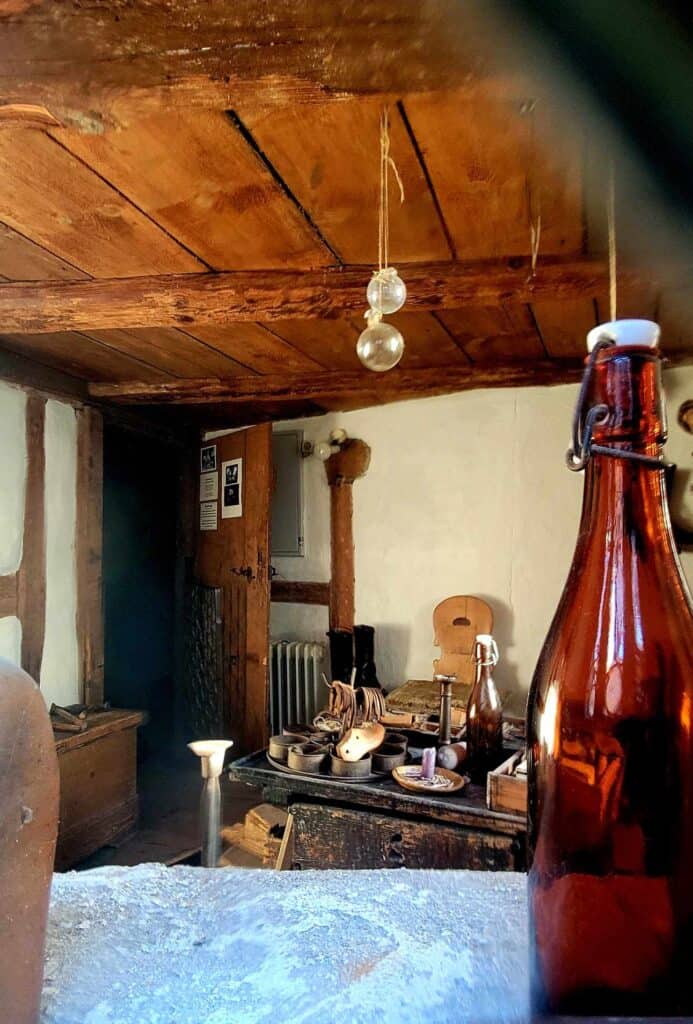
31 579
342 545
89 553
342 468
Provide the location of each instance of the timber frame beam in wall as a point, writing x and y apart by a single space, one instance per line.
89 539
31 578
299 592
24 593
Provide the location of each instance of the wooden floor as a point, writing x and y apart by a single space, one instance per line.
169 817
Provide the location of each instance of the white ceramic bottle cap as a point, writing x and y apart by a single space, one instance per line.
625 332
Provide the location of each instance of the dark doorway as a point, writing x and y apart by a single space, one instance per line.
139 561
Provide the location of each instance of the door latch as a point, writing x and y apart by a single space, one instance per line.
244 571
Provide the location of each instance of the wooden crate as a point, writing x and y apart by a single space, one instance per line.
504 790
98 785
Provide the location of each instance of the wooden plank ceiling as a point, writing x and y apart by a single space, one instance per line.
175 179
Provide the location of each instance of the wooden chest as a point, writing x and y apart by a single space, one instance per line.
329 836
98 785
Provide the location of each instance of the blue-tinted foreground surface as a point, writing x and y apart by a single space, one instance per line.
156 945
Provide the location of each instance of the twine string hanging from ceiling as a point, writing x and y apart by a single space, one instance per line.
534 207
386 163
380 345
534 239
611 228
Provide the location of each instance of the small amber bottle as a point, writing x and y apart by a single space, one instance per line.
484 713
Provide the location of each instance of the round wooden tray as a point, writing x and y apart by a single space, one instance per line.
327 774
406 778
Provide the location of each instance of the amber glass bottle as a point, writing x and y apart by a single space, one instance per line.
484 713
610 752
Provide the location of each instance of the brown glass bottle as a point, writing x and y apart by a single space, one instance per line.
610 752
484 713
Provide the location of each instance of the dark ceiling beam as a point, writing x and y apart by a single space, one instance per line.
183 300
91 63
338 386
27 373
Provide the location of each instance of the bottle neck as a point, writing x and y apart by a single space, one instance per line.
622 495
486 654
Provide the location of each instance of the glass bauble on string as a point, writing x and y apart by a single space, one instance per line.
386 291
380 346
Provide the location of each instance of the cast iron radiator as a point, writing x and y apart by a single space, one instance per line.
204 662
297 691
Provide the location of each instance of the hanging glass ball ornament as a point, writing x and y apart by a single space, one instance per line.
386 291
380 346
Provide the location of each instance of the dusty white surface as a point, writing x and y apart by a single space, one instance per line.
60 666
465 494
12 475
156 945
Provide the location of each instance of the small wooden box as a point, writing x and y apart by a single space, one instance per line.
506 791
98 785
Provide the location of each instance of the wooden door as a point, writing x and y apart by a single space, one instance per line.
233 555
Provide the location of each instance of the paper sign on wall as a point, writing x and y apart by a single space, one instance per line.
232 483
208 515
209 486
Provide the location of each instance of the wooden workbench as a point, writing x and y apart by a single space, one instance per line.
379 824
98 784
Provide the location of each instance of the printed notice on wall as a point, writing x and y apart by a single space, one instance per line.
208 515
232 483
209 486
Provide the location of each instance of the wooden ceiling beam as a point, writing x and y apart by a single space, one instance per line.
181 300
89 63
341 386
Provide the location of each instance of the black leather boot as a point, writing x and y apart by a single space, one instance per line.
364 648
341 653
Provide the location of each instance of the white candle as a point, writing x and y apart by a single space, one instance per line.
428 763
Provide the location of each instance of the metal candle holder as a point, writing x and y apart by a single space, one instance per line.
211 754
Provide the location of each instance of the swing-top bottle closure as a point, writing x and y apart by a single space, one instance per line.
485 650
621 381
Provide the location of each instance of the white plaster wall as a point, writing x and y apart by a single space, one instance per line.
466 493
60 667
13 464
11 638
12 475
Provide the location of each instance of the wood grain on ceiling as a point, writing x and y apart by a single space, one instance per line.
53 199
24 260
195 175
263 190
329 155
82 356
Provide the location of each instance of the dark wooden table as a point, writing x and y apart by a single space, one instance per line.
378 824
